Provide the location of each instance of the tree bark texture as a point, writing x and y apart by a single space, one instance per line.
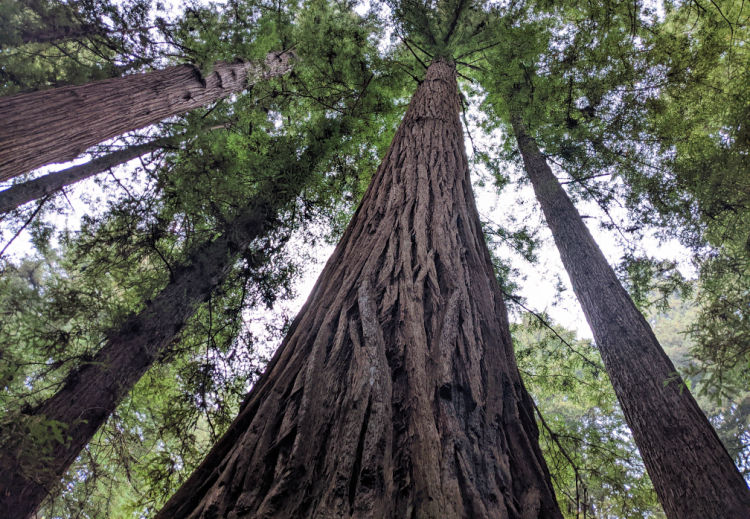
91 393
396 392
25 192
59 124
694 476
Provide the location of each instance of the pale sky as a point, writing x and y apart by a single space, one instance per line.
539 281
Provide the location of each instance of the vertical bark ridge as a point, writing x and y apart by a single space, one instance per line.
694 476
59 124
398 375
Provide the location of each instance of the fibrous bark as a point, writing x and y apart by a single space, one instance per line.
396 392
59 124
25 192
91 393
694 476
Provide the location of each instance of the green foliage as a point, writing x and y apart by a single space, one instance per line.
652 113
725 402
594 463
54 316
47 44
651 282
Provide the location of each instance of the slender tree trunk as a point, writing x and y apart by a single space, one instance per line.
91 393
25 192
694 476
58 125
396 392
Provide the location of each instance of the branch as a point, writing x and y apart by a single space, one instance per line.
480 49
25 224
413 53
553 436
454 22
549 327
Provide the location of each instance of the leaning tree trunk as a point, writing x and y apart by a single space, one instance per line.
91 393
51 183
58 125
692 472
396 392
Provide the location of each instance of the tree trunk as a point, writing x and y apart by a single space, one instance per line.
91 393
692 472
396 392
25 192
58 125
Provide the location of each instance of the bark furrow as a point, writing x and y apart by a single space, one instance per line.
395 393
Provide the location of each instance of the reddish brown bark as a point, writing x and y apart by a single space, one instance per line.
694 476
58 125
396 392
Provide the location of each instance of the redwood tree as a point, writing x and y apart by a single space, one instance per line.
693 475
58 125
396 391
92 392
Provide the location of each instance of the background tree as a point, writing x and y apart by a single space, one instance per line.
640 370
699 128
659 409
315 435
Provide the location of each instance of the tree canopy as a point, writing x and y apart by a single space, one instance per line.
641 111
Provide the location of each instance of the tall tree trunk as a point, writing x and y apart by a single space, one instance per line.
58 125
91 393
25 192
396 392
694 476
